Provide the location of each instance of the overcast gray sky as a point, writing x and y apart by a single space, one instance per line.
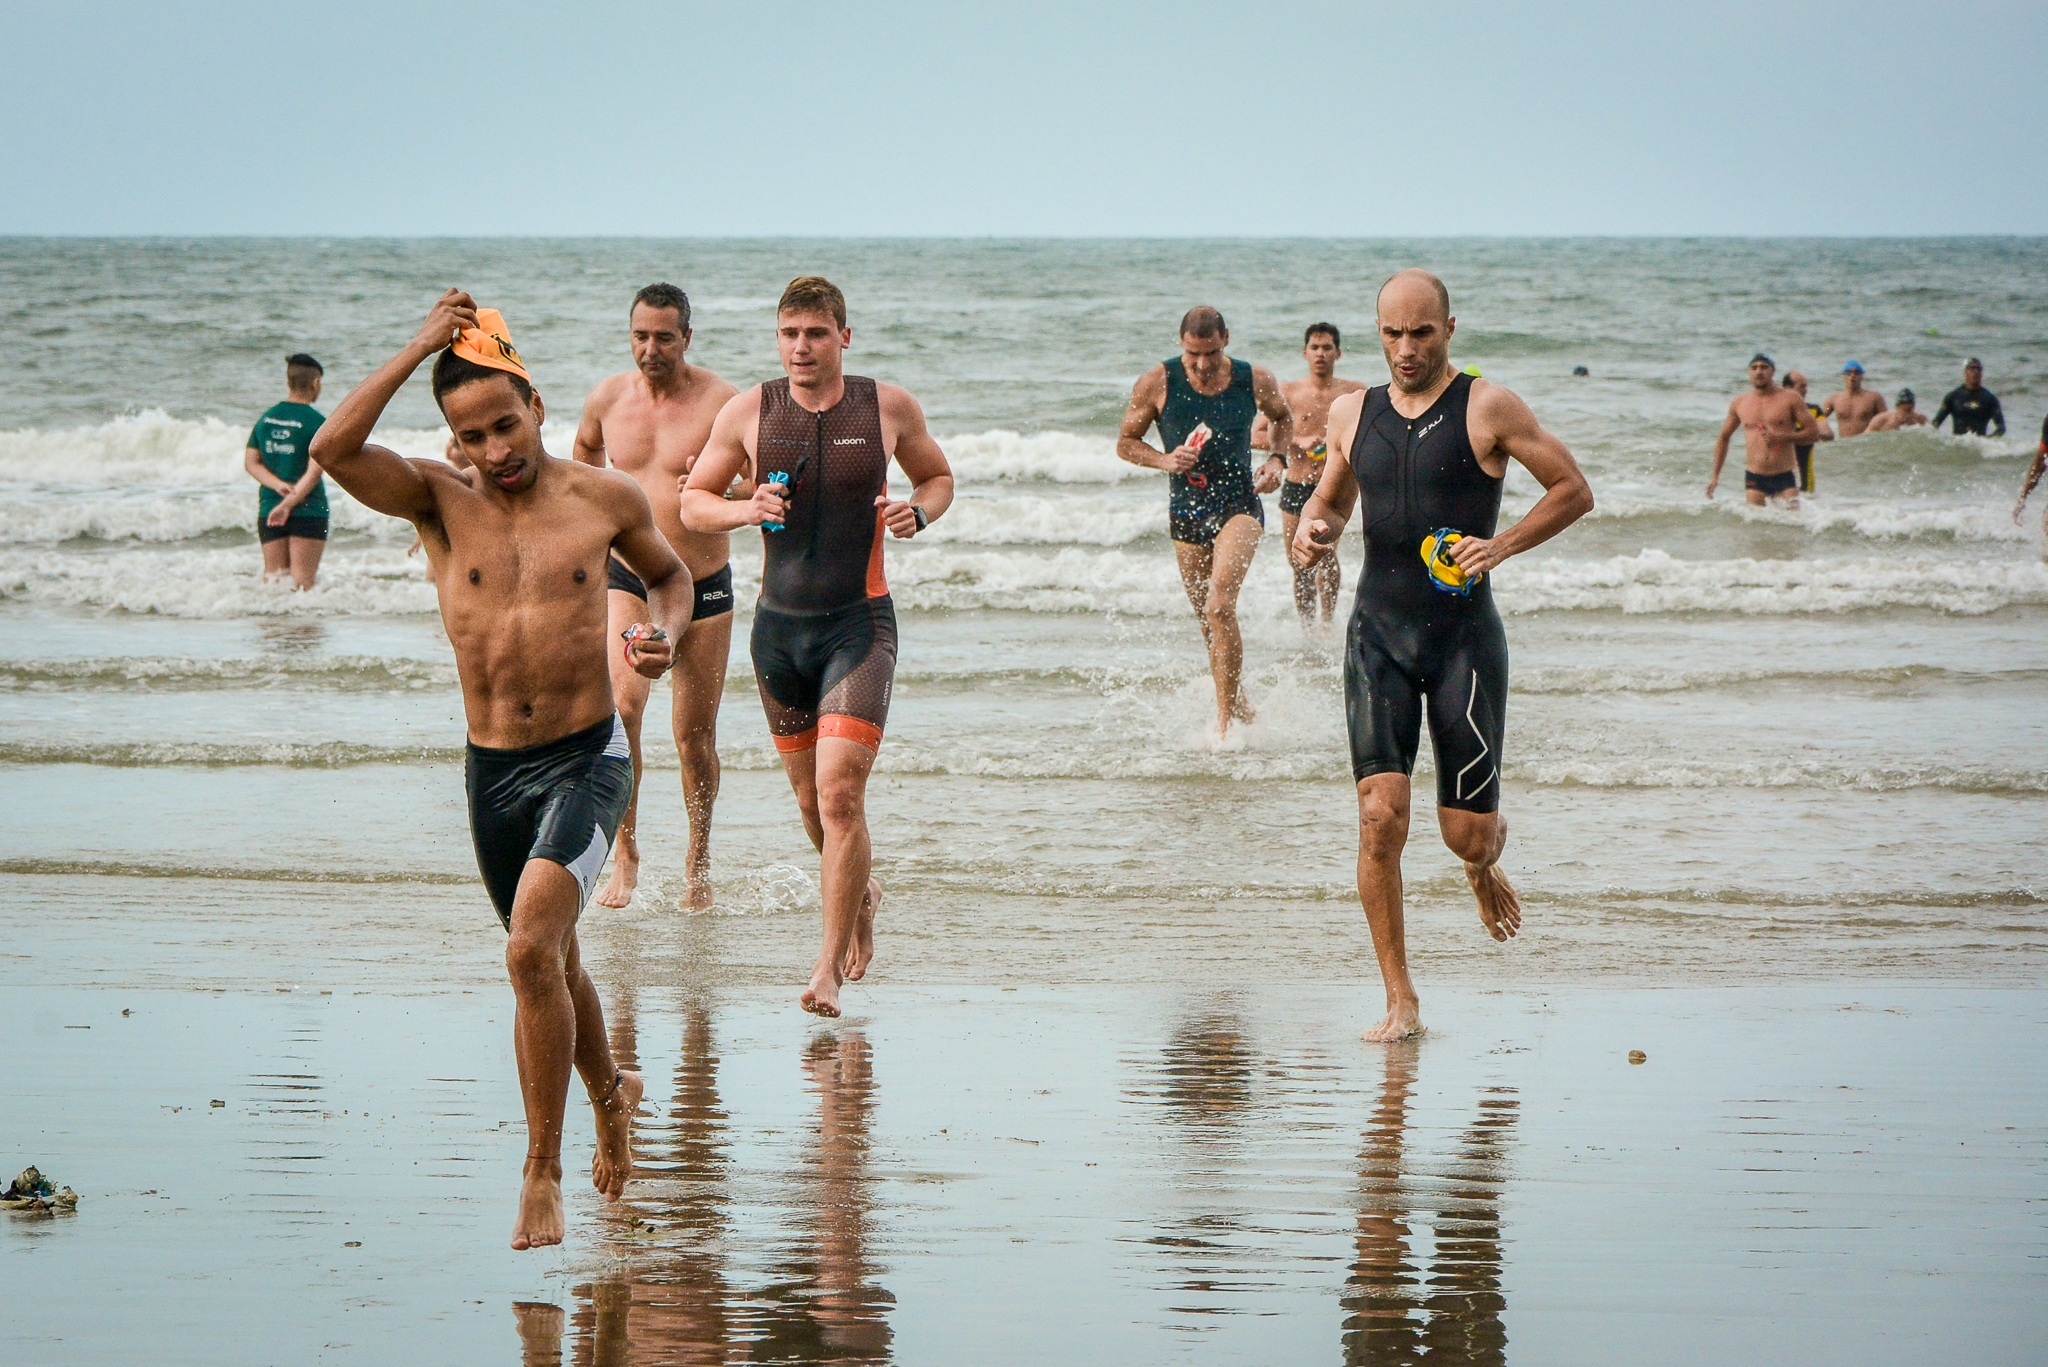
1204 118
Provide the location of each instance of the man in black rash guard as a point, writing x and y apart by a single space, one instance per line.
1428 454
1974 408
1205 404
817 445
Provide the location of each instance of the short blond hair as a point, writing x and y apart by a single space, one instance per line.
813 294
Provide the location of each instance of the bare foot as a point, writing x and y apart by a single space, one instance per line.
697 890
540 1204
1500 911
821 998
625 873
1403 1022
1241 710
861 952
612 1164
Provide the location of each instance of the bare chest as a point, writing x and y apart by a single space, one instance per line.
645 438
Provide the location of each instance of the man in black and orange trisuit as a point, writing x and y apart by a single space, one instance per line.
817 445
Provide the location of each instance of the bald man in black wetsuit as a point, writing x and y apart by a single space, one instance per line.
1428 452
817 446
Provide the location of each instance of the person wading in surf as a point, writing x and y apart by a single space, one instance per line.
519 546
651 422
1773 421
1309 399
1205 403
817 446
1428 453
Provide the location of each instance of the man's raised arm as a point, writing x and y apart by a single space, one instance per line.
723 460
1148 396
1279 429
917 453
380 478
1518 436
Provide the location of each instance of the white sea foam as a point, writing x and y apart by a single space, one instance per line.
1056 457
1654 581
215 583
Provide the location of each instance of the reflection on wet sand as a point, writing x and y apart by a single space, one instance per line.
825 1306
668 1302
1454 1317
677 1295
1204 1083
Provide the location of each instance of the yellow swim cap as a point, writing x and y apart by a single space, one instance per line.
1444 573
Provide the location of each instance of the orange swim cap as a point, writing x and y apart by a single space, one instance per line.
490 343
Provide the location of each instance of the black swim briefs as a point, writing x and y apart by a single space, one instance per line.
1195 517
714 591
1770 486
299 524
561 801
1294 496
826 673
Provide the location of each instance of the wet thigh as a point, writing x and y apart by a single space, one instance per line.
698 678
1382 709
1468 708
306 552
1195 564
1235 546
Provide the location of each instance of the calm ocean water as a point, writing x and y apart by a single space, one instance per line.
1805 741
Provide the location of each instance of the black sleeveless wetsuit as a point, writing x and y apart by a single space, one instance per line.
1410 640
1218 486
824 641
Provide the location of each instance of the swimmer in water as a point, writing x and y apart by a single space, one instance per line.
1905 412
651 422
1796 382
519 547
1205 404
817 445
1853 407
1427 454
1309 399
291 507
1773 420
1974 408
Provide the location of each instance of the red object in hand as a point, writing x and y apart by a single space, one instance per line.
1198 438
640 631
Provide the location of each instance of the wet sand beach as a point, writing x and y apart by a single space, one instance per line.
1107 1171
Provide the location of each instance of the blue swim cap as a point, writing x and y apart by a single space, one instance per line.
1856 366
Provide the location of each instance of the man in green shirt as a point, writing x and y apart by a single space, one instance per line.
291 509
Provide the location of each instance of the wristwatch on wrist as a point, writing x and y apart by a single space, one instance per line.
923 519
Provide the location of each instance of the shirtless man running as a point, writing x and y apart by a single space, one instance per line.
1428 454
1853 407
1309 399
1213 510
518 547
1773 421
651 422
817 446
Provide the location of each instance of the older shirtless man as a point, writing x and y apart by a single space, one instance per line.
1853 407
518 546
1803 451
1773 420
651 422
1309 398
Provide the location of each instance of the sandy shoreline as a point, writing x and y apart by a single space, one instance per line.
1820 1174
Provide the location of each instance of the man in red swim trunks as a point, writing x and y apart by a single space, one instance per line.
817 445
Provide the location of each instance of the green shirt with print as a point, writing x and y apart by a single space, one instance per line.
283 437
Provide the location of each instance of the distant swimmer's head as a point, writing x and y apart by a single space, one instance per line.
659 325
1905 399
811 334
1322 346
1852 377
302 377
1761 369
1973 372
1852 367
1415 326
1796 379
481 384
